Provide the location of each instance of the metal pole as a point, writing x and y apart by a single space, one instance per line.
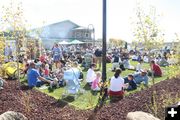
104 43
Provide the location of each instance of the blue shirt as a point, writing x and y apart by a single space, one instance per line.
32 76
139 78
56 51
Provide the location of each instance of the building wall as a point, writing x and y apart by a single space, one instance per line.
61 30
65 30
82 34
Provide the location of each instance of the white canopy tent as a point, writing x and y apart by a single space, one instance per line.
76 42
64 43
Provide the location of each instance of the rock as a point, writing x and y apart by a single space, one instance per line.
10 115
139 115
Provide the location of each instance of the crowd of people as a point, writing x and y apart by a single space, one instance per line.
64 63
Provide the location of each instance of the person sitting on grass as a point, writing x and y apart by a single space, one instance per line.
91 74
2 83
163 62
155 69
115 62
139 78
127 64
131 85
95 83
116 91
139 66
26 65
46 70
34 78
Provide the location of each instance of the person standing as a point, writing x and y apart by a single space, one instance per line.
98 55
8 52
57 54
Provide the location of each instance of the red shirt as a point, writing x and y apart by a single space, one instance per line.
46 72
42 58
157 70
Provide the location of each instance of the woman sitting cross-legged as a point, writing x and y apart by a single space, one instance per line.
116 91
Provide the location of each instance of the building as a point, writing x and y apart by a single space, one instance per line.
63 31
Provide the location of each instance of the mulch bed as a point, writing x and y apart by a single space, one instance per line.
43 107
141 101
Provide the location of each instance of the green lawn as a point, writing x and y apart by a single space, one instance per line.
89 100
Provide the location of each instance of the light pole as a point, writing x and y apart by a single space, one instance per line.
104 43
103 91
91 27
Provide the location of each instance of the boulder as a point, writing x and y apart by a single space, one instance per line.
11 115
139 115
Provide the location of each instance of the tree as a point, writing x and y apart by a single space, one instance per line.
147 32
2 47
116 42
177 47
13 23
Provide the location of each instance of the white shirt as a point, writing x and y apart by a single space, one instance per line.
146 59
91 75
116 84
138 67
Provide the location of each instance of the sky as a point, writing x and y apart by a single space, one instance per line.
120 15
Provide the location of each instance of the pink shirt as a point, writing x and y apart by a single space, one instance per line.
95 83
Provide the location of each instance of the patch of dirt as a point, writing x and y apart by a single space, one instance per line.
39 106
36 105
140 101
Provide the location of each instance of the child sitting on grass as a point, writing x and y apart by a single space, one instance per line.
131 85
95 83
46 70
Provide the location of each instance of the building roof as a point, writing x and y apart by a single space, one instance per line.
57 30
80 28
62 23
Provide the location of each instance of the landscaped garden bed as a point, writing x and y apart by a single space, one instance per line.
36 105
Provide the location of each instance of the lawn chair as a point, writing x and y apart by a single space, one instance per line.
72 87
